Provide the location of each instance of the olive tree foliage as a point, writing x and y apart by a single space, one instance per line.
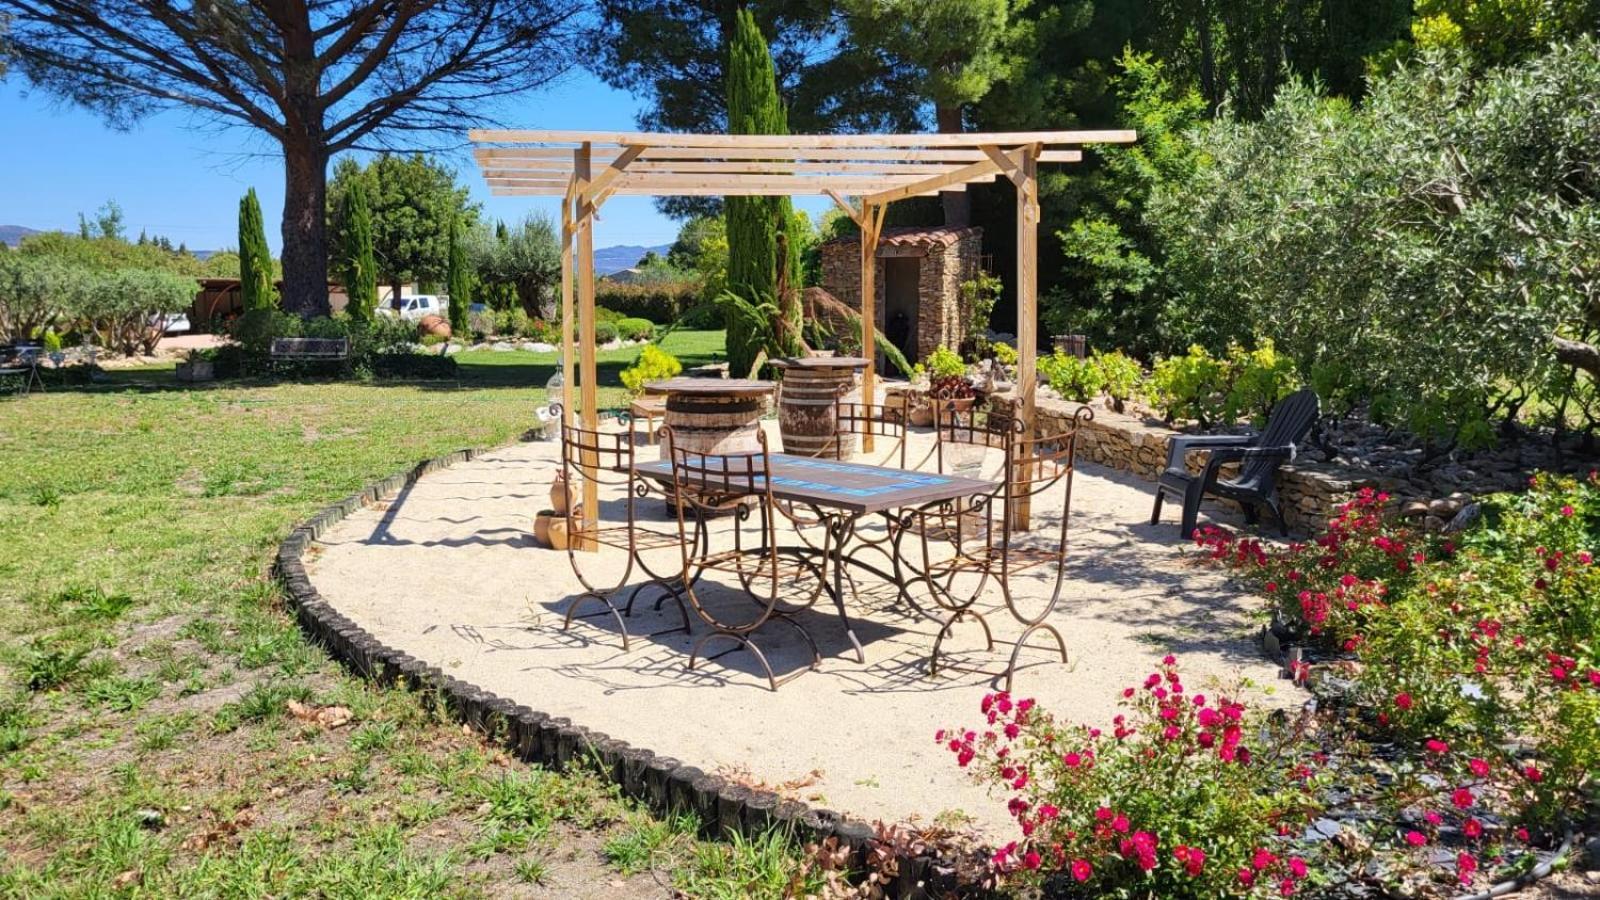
522 262
117 307
1436 251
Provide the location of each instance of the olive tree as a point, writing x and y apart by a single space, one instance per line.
1436 251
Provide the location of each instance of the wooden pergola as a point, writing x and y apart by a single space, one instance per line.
585 168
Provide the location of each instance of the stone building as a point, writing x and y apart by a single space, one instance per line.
919 277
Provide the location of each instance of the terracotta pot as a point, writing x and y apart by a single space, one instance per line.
433 325
559 532
922 415
561 494
541 526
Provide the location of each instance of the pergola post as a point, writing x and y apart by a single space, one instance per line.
871 225
569 409
589 391
1027 183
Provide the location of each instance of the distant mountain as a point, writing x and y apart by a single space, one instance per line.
13 234
614 259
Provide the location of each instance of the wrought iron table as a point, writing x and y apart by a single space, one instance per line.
840 494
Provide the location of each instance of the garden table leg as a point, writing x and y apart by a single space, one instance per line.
840 527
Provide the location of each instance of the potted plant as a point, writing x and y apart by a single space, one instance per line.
198 365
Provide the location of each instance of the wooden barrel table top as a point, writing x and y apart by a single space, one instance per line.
822 362
739 387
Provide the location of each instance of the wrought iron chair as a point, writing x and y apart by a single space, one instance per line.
886 419
713 485
608 459
1259 456
983 546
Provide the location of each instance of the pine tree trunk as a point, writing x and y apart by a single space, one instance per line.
957 205
305 230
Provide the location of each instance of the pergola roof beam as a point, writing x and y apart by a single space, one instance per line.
802 141
905 154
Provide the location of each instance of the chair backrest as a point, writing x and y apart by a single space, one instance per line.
717 482
604 456
710 484
886 420
1289 424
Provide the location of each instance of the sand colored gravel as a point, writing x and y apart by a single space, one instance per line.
448 572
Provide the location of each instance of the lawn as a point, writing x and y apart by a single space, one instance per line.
166 731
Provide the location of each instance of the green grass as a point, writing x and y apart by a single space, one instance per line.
147 663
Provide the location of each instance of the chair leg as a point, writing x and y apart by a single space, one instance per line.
1277 513
1191 511
1155 514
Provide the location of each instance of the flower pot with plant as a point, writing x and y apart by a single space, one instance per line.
198 365
947 382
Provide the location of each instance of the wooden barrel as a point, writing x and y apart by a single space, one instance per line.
808 410
713 424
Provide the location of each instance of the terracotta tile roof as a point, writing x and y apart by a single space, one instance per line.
939 235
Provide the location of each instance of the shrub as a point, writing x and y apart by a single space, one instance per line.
1121 374
1073 378
1005 354
1260 378
1184 798
652 364
1192 386
509 322
1480 657
660 302
944 363
605 332
636 329
412 366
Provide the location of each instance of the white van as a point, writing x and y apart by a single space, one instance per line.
419 305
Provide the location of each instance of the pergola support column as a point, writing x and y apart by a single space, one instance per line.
589 389
871 225
1026 178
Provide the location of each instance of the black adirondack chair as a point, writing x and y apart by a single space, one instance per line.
1260 455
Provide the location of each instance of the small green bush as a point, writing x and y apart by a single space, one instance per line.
510 321
1261 377
1120 372
1073 378
636 329
1192 386
945 363
653 364
605 332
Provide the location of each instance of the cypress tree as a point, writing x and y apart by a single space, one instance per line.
358 263
255 260
458 282
755 222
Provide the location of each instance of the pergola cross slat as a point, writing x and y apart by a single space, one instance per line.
877 169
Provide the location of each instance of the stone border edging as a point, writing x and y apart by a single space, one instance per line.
664 784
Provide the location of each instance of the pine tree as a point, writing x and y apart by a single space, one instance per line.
458 282
754 223
359 265
255 260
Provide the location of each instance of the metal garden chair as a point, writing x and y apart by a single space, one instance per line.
1259 456
711 486
607 458
984 545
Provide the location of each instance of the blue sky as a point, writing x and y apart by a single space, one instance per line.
185 182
